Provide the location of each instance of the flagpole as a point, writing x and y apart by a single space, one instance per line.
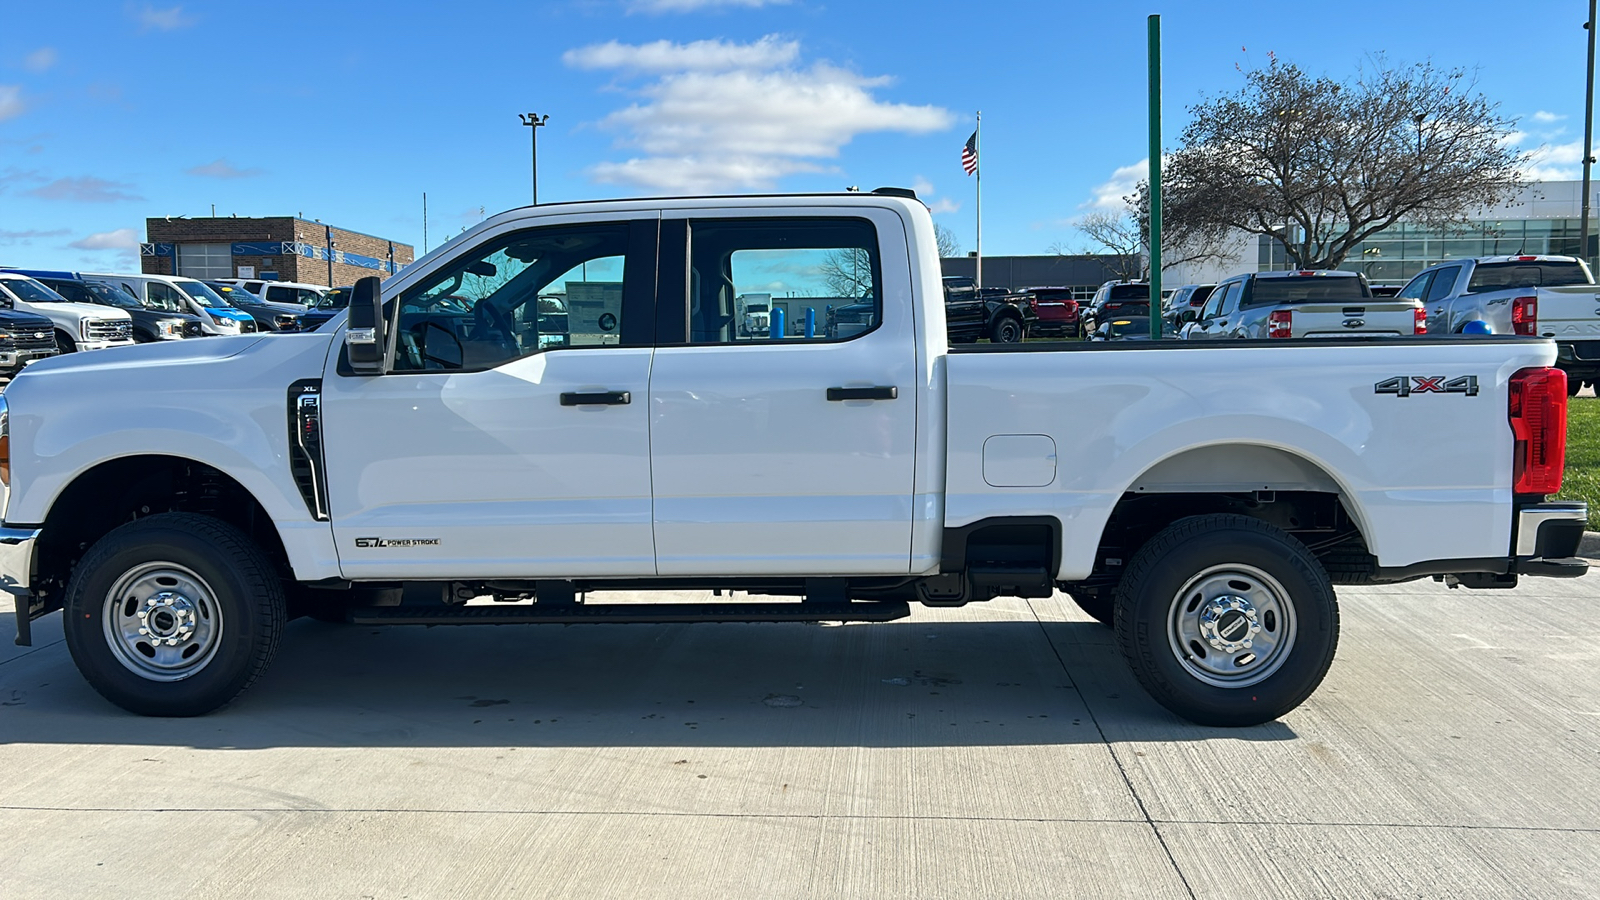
977 145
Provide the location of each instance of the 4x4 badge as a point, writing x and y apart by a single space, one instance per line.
1406 385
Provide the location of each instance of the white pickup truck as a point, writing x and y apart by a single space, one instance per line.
427 459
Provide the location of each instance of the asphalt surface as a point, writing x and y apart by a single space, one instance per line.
1001 750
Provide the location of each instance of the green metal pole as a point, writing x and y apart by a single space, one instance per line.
1155 178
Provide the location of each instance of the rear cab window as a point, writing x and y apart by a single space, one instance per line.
1500 276
1307 289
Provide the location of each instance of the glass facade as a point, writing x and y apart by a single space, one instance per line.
1400 252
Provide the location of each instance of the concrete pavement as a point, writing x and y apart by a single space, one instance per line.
1001 750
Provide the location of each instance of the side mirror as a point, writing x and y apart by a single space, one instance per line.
364 338
1188 315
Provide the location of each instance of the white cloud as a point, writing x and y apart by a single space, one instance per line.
664 56
40 59
925 192
944 205
221 168
1547 118
11 104
152 19
704 129
679 6
1554 162
121 239
1122 183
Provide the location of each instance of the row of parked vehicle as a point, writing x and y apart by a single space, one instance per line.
46 312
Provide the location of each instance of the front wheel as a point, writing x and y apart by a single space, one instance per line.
65 343
1227 620
173 615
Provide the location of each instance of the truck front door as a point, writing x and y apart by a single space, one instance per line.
495 445
784 454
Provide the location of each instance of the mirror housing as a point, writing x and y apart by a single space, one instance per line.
364 339
1188 315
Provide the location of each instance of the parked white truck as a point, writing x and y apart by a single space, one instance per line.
180 503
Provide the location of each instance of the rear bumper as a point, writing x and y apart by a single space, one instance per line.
16 574
1551 530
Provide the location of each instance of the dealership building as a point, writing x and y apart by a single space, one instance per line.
274 248
1544 219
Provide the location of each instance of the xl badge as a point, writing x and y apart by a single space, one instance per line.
1406 385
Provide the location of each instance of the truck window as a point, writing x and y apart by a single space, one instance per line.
1306 289
1214 304
1418 288
1500 276
744 274
534 290
1444 281
1129 292
164 296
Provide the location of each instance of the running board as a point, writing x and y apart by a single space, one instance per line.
631 613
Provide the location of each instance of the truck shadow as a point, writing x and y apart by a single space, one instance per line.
912 683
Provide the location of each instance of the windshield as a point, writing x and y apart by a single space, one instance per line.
1299 289
1507 275
111 296
201 294
30 291
338 298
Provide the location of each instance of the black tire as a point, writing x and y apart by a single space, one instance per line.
65 343
1101 607
1006 330
1290 613
232 593
1574 385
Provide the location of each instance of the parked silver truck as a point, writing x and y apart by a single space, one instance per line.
1317 303
1540 296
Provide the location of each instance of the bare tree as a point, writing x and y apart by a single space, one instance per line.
949 244
848 272
1319 165
1119 236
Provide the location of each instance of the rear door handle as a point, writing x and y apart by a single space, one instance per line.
863 393
597 398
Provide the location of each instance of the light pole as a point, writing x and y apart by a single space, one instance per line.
1588 138
533 121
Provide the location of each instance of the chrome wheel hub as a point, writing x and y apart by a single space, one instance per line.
1228 623
1231 625
162 621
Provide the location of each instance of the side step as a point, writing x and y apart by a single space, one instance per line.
631 613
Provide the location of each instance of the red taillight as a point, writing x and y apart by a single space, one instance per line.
1523 258
1525 315
1420 323
1539 426
1280 323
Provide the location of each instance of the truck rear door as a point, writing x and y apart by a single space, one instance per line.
783 454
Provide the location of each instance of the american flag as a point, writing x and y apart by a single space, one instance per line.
969 154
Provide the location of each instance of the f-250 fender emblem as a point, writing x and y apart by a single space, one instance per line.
396 542
1406 385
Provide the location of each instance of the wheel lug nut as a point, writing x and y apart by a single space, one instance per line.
144 613
145 632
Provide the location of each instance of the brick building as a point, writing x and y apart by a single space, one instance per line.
281 248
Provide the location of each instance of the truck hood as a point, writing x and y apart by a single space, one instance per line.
81 310
160 353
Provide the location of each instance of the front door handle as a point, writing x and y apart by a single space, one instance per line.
863 393
597 398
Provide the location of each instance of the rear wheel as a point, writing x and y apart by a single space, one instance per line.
1005 330
1227 620
173 615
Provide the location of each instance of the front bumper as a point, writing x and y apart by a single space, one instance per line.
16 574
12 361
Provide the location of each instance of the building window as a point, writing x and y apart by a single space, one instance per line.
205 260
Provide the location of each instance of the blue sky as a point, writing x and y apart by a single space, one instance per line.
111 112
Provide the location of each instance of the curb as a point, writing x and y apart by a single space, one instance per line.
1589 547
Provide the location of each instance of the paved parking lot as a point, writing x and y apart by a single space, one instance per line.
1000 750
